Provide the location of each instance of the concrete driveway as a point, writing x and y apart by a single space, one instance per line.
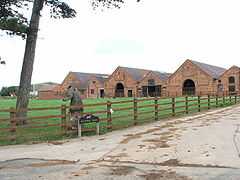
203 146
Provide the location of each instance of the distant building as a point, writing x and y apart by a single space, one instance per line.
36 88
90 85
191 78
129 82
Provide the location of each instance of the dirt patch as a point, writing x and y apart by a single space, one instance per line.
173 163
117 156
176 163
51 163
164 175
162 134
158 143
57 142
121 170
129 138
138 135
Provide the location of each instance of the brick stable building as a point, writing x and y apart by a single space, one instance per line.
129 82
191 78
90 85
195 78
230 80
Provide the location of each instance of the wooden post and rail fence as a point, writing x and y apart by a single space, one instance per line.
112 114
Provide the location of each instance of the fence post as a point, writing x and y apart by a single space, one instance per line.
224 101
135 116
230 99
156 108
186 104
173 107
13 123
216 101
64 118
199 103
235 99
109 115
209 102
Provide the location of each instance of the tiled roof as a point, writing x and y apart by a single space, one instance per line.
85 77
139 74
135 73
162 75
213 71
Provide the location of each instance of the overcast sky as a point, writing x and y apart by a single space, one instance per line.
153 34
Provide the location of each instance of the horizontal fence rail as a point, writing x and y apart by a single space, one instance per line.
53 123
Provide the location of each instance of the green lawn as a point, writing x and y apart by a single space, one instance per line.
121 118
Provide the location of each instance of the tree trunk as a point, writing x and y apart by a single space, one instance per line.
27 67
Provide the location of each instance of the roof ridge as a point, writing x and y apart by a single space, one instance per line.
212 70
206 64
89 73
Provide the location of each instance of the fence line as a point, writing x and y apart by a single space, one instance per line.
113 115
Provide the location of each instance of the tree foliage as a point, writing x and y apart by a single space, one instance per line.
15 21
8 91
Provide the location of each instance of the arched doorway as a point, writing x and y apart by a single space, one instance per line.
189 87
119 91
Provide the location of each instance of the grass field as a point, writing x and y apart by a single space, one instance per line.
35 131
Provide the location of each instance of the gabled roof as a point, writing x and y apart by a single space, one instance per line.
139 74
232 67
135 73
85 77
162 75
213 71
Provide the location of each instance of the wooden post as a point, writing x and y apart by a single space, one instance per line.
135 116
186 104
230 99
216 101
156 108
109 115
98 128
13 123
209 102
173 107
199 103
224 100
64 118
79 129
235 99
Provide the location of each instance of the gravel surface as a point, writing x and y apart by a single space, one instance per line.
203 146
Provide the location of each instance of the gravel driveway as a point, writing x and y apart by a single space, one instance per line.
203 146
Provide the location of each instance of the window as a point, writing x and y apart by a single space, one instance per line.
231 88
92 91
94 82
145 91
151 82
130 93
231 80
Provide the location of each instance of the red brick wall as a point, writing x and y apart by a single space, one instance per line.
203 82
120 76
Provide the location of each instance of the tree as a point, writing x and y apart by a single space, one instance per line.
16 23
4 91
9 91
